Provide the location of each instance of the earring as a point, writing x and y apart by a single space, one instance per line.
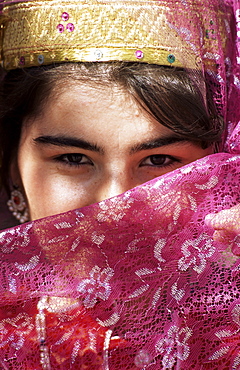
18 206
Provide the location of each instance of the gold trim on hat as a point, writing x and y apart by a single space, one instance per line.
51 31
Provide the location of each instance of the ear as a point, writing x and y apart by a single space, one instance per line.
15 178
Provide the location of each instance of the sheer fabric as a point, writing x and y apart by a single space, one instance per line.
133 282
136 281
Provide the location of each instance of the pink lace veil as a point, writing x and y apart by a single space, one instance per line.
136 281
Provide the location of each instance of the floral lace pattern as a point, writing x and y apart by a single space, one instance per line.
174 346
97 286
155 293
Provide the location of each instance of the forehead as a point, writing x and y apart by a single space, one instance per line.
92 105
83 94
74 97
104 115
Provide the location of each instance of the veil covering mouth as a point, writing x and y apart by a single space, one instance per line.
136 281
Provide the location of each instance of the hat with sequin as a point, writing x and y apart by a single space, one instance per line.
198 35
162 32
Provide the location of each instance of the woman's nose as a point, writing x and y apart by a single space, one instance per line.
111 187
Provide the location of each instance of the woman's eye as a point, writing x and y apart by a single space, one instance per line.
73 159
159 160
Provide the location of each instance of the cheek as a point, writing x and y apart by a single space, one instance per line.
51 196
48 193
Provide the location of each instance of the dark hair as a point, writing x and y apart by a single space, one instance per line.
168 94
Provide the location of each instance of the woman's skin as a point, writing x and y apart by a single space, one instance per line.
92 143
226 224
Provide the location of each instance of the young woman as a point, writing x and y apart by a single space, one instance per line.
98 132
98 100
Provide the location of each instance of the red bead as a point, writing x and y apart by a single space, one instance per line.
16 200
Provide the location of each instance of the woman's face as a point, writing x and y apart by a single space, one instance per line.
90 144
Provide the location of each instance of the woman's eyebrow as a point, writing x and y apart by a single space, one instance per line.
65 141
157 143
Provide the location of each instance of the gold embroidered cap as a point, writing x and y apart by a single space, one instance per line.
35 33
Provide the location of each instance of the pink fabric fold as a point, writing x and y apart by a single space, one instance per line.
136 281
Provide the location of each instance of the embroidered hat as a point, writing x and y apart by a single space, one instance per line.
162 32
199 35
